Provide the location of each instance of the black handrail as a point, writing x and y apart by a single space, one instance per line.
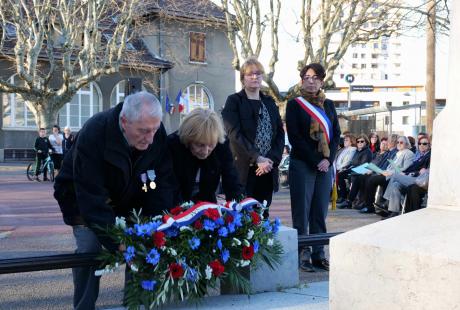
64 261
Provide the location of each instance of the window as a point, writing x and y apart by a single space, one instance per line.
355 55
118 93
405 120
375 56
86 102
376 45
363 55
197 47
374 66
197 96
385 76
16 113
363 66
354 66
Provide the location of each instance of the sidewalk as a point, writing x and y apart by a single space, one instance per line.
314 296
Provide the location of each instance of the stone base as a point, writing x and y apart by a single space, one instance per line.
264 279
407 262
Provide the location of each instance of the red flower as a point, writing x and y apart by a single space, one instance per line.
217 267
229 219
198 225
255 218
176 210
164 218
159 239
213 214
248 252
175 270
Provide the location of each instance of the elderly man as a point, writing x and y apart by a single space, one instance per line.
119 162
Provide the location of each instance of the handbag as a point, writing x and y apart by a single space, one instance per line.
422 180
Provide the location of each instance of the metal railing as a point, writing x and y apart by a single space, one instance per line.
64 261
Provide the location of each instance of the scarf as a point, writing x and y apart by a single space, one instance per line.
316 132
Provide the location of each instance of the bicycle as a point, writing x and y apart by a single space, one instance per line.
48 163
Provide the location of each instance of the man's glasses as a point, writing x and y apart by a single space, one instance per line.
423 143
313 78
360 141
256 74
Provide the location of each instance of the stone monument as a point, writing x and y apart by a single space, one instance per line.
411 261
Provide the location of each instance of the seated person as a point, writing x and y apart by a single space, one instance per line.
414 198
362 155
342 163
403 159
399 181
201 158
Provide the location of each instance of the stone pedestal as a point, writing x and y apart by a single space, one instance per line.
410 261
286 275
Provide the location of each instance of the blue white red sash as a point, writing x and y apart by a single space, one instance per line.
194 213
318 114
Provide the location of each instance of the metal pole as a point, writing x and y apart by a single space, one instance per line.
349 97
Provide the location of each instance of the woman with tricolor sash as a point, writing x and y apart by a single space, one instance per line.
314 134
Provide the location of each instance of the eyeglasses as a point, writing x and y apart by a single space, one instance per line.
256 74
313 78
401 142
423 143
360 141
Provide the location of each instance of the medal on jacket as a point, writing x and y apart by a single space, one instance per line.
144 180
151 174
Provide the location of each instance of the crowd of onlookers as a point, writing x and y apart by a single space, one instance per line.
395 178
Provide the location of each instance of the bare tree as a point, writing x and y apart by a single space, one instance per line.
58 46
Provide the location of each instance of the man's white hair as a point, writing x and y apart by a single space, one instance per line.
141 104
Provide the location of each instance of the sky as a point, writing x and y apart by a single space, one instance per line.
413 52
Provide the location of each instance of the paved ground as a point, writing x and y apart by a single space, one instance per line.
31 225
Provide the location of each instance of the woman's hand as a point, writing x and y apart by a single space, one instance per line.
387 173
324 165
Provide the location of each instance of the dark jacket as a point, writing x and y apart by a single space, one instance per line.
67 143
381 160
361 156
43 145
99 181
298 128
218 164
240 119
422 162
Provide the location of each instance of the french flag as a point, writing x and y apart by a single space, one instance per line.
182 102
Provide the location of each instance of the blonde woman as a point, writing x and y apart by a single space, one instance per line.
201 157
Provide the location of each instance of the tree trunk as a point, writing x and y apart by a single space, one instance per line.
45 115
430 65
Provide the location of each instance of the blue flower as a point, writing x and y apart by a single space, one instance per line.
148 285
129 253
129 231
194 243
237 219
225 255
267 227
146 229
153 257
219 244
192 275
256 246
223 232
220 221
172 232
231 227
276 225
209 225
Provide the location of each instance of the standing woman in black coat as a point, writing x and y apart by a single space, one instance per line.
314 132
201 157
256 134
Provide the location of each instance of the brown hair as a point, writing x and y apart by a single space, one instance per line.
251 61
351 137
363 136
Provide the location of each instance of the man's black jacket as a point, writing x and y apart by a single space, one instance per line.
219 164
99 181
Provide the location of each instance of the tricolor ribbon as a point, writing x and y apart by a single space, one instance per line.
318 114
194 213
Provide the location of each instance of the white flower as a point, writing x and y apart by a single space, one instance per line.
133 267
244 263
208 272
264 203
120 222
270 242
108 269
156 218
185 228
250 234
236 242
172 251
246 242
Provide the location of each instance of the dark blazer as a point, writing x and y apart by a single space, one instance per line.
219 164
422 162
240 119
298 129
99 180
361 156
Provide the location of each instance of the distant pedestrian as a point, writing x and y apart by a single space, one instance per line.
56 139
42 146
68 140
314 133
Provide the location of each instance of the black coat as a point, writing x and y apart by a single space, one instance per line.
240 119
422 162
361 156
99 181
218 164
298 129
